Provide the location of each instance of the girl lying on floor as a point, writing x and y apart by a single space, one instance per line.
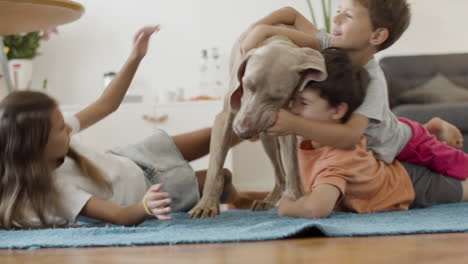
47 178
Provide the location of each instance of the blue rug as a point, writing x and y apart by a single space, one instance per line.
240 225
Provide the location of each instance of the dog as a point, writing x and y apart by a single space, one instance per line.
261 82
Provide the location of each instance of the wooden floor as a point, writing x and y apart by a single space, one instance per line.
427 248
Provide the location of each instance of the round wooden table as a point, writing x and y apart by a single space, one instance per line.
21 16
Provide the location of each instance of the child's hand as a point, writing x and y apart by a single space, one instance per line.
252 38
284 204
141 40
283 125
157 202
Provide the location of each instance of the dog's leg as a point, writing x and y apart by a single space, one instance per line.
271 146
288 146
221 137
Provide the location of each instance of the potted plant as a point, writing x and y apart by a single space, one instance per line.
21 49
326 13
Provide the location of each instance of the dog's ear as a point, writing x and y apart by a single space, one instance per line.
309 75
236 96
312 68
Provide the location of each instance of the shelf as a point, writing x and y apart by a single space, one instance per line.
18 16
189 103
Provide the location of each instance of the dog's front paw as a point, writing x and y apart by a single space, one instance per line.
262 205
205 209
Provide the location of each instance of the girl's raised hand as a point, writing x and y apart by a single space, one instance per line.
141 40
158 202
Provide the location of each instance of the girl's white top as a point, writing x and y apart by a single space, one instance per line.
129 184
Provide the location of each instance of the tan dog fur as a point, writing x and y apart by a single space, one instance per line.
261 82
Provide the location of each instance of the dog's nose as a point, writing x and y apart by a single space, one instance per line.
243 126
244 129
246 135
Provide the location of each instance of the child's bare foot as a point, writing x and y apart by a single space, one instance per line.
444 131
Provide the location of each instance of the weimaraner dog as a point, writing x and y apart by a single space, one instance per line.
261 82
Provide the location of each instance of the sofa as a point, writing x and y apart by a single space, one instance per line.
425 86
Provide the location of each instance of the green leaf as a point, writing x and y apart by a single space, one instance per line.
23 47
326 13
312 13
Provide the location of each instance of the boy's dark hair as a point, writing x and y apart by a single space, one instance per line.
345 83
394 15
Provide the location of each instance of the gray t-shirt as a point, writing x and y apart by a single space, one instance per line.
386 136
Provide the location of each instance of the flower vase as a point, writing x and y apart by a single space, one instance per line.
21 73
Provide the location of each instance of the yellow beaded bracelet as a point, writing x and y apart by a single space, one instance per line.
145 206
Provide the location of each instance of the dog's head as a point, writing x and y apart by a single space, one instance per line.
267 79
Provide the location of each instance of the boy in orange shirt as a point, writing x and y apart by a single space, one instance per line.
353 179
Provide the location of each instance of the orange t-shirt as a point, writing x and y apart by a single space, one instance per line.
366 184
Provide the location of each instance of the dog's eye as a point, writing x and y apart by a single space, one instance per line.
249 87
276 99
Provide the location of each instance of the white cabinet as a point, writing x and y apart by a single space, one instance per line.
127 125
247 161
188 116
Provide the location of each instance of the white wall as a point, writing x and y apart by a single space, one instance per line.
74 61
436 27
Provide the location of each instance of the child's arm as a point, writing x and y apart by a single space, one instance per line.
262 32
303 35
286 16
113 95
156 201
340 135
317 204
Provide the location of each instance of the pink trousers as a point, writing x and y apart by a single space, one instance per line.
424 149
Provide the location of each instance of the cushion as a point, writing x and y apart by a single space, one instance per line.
438 89
396 87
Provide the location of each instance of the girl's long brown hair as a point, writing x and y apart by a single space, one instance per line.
26 181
